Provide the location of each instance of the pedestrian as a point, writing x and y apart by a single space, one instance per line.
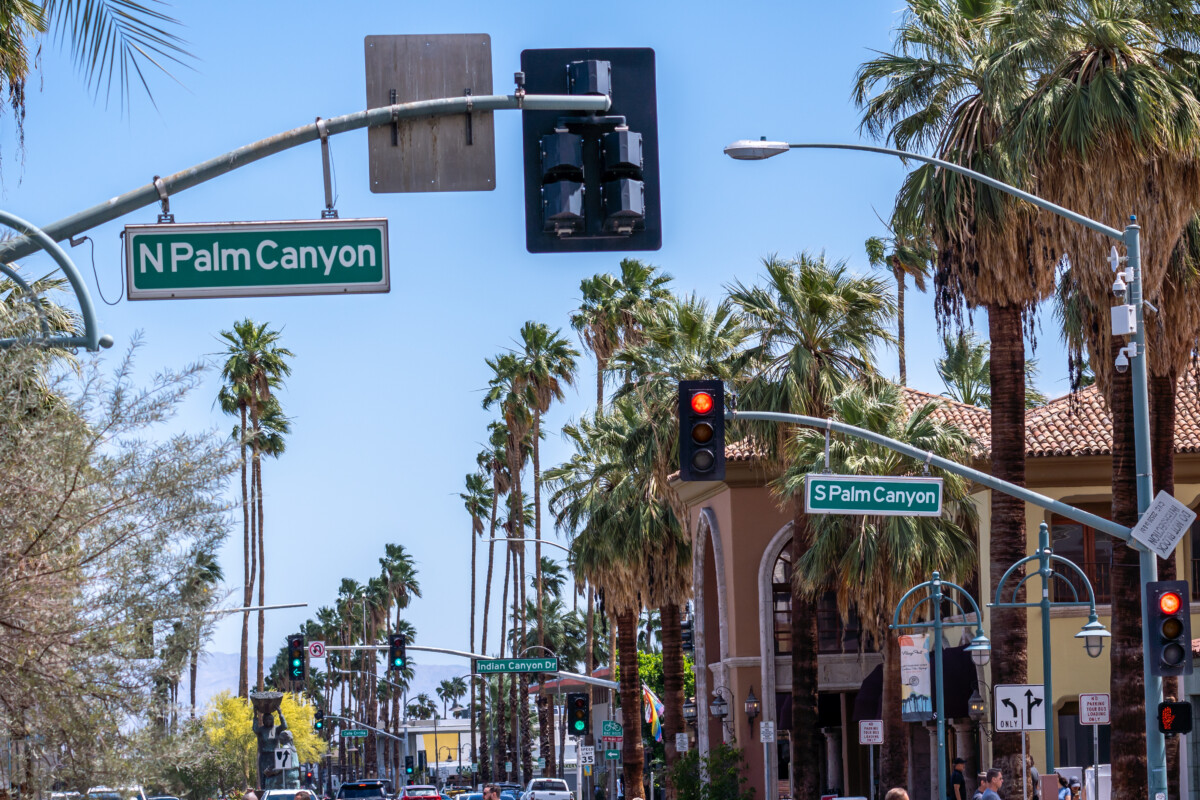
249 794
1076 787
1035 778
896 794
995 779
1064 791
981 778
958 780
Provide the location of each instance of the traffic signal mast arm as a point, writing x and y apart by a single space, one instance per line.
353 721
1020 492
148 194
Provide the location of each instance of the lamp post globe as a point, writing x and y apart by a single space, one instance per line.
1093 635
718 706
980 649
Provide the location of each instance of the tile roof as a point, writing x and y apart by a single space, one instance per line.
1077 425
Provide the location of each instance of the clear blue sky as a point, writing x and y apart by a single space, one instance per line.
386 389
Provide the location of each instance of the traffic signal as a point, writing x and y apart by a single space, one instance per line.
297 664
1170 629
319 720
591 180
1174 718
687 639
396 656
408 765
701 430
579 713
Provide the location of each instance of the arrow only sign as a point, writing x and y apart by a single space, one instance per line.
1020 707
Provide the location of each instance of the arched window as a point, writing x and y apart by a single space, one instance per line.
832 635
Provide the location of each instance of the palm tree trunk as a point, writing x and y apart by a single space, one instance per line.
1009 634
894 753
247 570
806 757
545 733
472 706
195 661
262 564
632 755
485 764
672 661
1128 746
899 275
1162 446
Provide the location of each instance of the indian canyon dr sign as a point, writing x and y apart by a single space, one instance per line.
873 495
256 259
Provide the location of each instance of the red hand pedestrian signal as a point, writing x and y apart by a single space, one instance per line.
1174 718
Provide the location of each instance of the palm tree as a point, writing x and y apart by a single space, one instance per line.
965 369
197 597
816 329
476 500
908 252
649 629
869 562
608 318
266 439
1131 66
254 365
950 86
493 462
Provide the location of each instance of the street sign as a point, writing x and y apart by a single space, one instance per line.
870 731
489 666
876 495
611 729
587 755
1163 525
355 733
541 763
1093 709
612 755
316 649
508 766
256 259
766 732
1019 707
681 742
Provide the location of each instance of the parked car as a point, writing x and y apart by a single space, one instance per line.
284 794
118 793
366 789
547 789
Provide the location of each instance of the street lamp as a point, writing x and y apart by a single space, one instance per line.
976 707
1093 633
1134 356
980 647
718 706
689 711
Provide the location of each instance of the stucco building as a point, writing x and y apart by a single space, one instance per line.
741 569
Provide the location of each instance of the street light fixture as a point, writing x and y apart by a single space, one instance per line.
980 649
718 705
976 707
753 705
1093 634
689 711
751 150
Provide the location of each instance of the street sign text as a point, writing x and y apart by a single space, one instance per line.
873 495
1019 707
490 666
256 259
1093 709
870 731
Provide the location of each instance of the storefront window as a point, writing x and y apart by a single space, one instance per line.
1091 550
833 636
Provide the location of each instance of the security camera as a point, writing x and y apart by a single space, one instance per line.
1123 356
1119 287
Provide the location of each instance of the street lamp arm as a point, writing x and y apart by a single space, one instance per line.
1020 492
945 585
1091 601
1066 213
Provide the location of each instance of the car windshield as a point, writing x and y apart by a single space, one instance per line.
549 786
361 791
104 796
423 791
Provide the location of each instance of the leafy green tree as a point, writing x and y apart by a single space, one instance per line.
721 775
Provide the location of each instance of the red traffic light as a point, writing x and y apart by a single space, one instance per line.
702 402
1169 603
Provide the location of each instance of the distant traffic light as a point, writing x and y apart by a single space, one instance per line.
701 430
687 639
591 180
297 663
1174 718
579 713
396 655
408 765
319 720
1170 637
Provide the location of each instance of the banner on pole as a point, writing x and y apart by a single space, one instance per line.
916 685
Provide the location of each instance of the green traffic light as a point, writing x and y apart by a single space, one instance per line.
397 662
295 662
579 725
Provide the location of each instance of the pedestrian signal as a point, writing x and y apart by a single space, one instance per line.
1174 718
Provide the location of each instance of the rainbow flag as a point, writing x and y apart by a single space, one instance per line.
654 712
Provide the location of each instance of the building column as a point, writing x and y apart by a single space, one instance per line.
964 743
833 758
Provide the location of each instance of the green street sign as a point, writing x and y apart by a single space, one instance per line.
489 666
873 495
256 259
612 755
355 733
611 729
